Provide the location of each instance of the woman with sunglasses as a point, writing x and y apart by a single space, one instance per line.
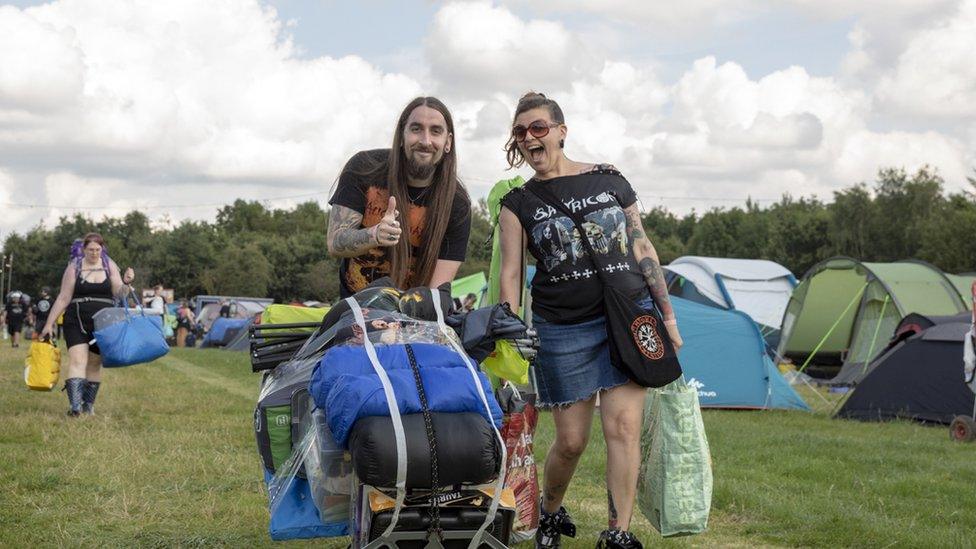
573 365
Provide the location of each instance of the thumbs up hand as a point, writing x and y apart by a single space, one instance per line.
387 232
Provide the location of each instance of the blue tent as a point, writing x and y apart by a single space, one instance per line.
724 357
223 330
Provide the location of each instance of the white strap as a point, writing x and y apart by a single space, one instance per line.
401 441
500 483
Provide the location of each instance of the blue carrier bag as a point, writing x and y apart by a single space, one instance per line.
125 339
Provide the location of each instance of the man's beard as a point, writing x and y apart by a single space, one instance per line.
417 170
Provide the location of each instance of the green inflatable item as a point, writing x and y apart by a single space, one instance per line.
495 196
471 284
674 487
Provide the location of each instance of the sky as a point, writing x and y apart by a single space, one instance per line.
177 107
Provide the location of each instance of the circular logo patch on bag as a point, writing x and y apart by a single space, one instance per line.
644 330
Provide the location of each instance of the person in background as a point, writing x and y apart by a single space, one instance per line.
41 309
13 316
157 305
469 302
91 282
573 364
185 320
224 309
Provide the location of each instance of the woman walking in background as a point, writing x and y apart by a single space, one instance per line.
573 364
90 283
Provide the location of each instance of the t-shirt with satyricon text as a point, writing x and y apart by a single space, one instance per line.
566 287
369 195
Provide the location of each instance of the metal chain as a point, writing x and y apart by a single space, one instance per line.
435 510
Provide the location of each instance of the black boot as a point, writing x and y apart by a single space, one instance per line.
88 397
552 526
618 539
74 387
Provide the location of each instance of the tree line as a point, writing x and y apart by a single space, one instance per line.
252 250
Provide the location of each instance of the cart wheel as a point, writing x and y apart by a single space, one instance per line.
962 429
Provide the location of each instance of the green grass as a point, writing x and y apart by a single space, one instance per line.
169 461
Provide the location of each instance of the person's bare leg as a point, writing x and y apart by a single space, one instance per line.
572 434
94 370
621 411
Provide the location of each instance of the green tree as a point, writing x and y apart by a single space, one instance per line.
239 271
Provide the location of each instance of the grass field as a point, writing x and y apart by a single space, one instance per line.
169 461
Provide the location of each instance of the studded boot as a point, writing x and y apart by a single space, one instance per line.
88 397
552 526
74 387
618 539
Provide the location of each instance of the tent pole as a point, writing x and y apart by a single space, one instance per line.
877 329
857 296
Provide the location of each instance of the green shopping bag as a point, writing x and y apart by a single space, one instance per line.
674 489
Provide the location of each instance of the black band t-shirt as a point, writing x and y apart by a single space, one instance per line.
566 288
42 308
362 189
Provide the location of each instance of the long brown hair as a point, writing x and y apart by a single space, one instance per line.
444 186
529 101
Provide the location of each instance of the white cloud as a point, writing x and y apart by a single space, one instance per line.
935 74
147 104
474 48
187 89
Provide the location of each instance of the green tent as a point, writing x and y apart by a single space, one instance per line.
844 311
964 284
475 284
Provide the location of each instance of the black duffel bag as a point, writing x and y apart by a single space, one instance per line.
468 450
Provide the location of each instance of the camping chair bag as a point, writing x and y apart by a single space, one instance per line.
125 339
467 450
43 366
674 488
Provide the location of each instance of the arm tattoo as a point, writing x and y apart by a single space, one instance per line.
635 229
654 276
346 238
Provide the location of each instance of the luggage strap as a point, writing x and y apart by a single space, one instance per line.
92 299
472 368
435 510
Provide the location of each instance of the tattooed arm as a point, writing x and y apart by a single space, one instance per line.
650 267
346 238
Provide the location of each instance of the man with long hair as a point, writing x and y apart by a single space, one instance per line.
402 212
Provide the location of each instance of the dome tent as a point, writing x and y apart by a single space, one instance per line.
724 357
843 311
757 287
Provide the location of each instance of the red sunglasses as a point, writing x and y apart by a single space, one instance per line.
538 129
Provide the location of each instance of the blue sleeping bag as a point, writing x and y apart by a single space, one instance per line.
346 387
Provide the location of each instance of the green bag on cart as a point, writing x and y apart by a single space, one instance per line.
674 488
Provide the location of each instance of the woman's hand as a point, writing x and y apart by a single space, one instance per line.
129 276
671 326
47 331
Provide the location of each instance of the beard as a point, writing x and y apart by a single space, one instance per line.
421 170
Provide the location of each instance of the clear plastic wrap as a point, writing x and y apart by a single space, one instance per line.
327 469
329 472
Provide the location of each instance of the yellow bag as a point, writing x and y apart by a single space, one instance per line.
507 363
43 366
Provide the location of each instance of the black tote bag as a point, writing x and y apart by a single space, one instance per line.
639 344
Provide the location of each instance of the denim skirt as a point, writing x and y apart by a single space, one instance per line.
573 363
